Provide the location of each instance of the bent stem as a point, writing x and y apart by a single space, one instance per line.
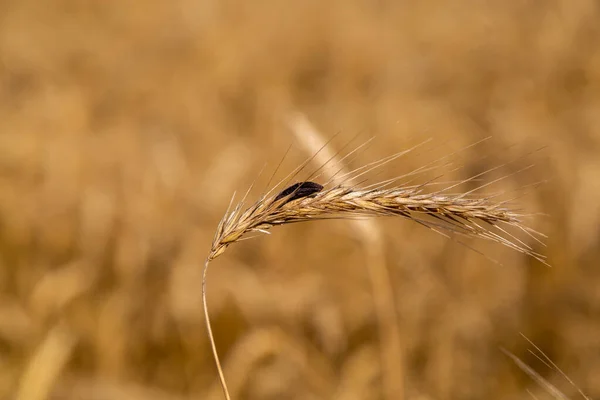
210 333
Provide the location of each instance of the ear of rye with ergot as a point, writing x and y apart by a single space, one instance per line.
464 214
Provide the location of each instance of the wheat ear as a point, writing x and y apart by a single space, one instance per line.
463 214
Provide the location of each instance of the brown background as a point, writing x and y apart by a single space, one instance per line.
125 126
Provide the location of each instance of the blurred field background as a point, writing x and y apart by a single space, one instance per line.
125 127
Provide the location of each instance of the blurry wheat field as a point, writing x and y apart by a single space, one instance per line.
126 126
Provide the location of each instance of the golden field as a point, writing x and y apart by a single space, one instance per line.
126 126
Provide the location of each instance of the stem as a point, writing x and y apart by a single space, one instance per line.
210 334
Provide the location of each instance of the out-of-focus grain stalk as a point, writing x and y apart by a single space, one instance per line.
369 232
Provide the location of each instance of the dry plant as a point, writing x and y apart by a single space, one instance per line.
109 181
466 213
534 375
